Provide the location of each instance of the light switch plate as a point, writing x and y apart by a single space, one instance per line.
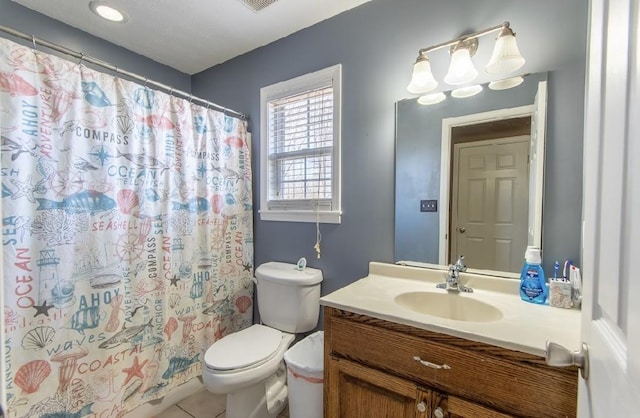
428 206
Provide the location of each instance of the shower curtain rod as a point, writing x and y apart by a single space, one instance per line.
116 70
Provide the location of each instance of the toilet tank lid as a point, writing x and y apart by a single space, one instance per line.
243 348
288 274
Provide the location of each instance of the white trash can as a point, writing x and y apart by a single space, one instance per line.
305 376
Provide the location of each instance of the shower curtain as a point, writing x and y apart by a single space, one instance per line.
127 237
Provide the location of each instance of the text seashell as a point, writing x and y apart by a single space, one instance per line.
170 327
30 375
217 203
38 338
124 123
243 303
174 299
127 200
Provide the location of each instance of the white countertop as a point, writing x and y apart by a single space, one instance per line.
523 327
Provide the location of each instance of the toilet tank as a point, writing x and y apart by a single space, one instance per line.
288 298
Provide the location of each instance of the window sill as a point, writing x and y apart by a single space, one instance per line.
326 217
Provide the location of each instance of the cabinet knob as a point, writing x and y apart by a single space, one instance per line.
438 413
421 407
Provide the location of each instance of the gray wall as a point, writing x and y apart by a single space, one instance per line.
376 44
562 206
25 20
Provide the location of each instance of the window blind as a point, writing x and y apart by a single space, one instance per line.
301 129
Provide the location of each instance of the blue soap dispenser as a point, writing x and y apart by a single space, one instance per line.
533 285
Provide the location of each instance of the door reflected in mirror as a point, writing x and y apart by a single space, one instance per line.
483 157
489 193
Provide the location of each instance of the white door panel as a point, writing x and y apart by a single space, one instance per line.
489 206
611 206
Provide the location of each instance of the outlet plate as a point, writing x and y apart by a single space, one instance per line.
428 206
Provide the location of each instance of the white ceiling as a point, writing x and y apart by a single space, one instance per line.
193 35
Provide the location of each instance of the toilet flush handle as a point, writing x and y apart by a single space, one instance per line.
301 264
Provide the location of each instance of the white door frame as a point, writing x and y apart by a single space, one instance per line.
445 165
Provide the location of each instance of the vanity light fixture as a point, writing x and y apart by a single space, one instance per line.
506 58
108 12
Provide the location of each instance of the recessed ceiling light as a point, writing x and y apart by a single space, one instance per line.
108 12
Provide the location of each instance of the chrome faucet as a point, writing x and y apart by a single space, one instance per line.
452 283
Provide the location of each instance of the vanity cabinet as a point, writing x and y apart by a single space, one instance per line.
359 391
376 368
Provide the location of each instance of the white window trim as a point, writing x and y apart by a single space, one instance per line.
287 88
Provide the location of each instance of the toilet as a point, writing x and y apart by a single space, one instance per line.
248 365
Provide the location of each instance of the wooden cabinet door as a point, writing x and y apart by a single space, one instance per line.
356 391
452 407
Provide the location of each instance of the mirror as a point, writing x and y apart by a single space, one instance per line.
481 159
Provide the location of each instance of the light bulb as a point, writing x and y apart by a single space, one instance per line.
506 56
422 80
107 12
461 69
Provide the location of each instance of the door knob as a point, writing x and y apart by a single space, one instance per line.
559 356
462 229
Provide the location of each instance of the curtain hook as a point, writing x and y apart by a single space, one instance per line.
33 39
115 73
171 91
145 82
81 59
191 99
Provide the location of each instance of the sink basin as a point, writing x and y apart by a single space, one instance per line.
454 306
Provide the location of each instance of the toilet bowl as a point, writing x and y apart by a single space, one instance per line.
245 366
248 365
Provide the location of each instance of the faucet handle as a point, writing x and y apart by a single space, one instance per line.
460 264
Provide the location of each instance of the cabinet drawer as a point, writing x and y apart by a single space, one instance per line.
515 388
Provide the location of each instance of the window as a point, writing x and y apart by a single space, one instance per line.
300 151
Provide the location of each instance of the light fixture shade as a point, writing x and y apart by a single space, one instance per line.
431 99
461 69
422 80
466 91
506 83
506 56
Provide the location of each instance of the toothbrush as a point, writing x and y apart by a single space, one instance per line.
556 266
565 270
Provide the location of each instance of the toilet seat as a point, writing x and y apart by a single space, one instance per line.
247 348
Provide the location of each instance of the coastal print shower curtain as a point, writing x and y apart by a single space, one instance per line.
127 237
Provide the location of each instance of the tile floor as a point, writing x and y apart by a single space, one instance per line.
202 405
